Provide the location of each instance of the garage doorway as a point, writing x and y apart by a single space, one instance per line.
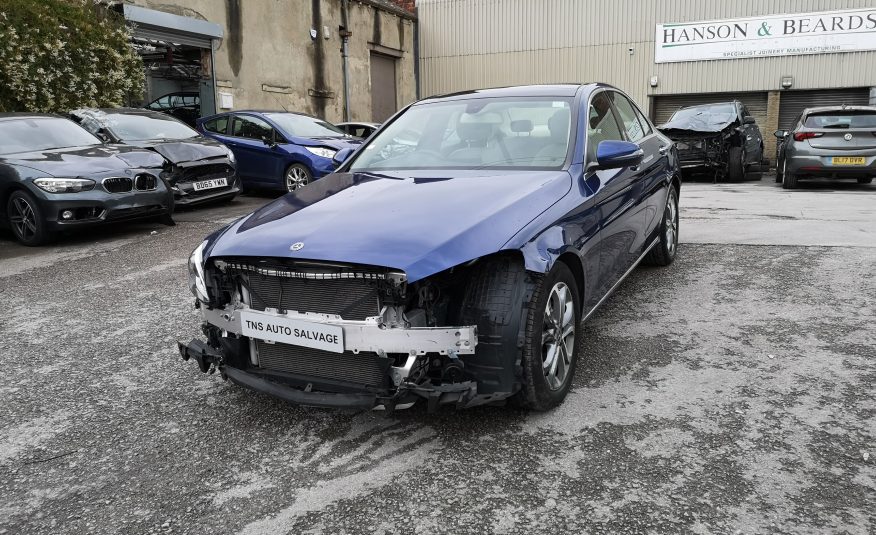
793 103
384 100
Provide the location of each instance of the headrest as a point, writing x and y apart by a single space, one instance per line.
474 132
523 125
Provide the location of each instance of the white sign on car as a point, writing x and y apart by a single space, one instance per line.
771 35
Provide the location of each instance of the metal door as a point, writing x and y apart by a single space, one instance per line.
384 101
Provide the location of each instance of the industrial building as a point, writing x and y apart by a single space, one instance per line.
336 59
776 56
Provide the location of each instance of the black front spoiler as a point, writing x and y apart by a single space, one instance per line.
297 396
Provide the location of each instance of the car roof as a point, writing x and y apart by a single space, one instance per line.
257 112
823 109
539 90
710 104
363 123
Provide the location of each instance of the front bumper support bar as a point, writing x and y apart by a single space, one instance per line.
370 335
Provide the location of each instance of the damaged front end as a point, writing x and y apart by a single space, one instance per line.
704 139
338 335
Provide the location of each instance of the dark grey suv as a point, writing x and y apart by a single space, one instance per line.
830 142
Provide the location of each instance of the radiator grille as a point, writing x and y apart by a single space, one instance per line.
352 299
206 172
363 369
119 184
145 182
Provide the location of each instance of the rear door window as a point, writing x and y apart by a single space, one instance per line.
842 120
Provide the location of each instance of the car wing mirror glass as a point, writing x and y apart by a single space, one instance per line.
616 154
341 156
780 133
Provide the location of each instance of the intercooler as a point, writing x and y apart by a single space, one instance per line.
364 368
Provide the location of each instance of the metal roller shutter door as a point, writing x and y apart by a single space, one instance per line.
792 103
666 105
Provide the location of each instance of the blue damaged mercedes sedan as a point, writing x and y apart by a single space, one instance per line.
451 258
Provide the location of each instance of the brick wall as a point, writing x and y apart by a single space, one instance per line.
406 4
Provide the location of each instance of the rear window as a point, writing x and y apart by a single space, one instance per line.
842 120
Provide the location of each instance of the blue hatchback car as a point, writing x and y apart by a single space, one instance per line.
450 259
278 150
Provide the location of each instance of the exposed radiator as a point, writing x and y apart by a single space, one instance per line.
352 299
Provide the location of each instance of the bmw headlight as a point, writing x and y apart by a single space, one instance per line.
64 185
197 284
230 154
322 151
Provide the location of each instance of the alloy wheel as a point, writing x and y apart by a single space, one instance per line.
558 336
671 215
23 218
296 178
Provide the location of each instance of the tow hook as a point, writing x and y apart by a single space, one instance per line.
204 355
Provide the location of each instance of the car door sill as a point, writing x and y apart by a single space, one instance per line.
620 280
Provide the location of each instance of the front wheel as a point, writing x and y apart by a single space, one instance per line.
664 252
297 176
551 342
736 164
26 219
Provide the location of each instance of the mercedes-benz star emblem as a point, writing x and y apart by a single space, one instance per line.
847 137
297 246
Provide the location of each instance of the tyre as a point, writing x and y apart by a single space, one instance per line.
865 180
297 176
551 340
789 179
664 252
26 219
779 165
735 164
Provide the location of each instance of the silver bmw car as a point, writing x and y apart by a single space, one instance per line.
829 142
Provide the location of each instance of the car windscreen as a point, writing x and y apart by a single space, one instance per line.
42 133
717 113
842 120
506 132
304 126
138 127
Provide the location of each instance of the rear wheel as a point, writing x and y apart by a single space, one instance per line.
789 179
26 219
865 180
779 165
735 164
297 176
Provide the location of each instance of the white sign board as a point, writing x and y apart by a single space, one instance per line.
771 35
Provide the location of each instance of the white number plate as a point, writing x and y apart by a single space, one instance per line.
267 326
210 184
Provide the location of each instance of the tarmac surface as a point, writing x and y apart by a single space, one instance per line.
732 392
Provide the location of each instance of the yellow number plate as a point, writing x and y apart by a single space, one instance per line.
849 160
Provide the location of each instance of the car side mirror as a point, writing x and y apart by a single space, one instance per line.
748 119
781 134
269 142
617 154
341 156
101 133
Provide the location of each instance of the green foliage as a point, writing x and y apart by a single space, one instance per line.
57 55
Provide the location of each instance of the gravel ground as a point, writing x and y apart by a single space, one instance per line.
731 391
